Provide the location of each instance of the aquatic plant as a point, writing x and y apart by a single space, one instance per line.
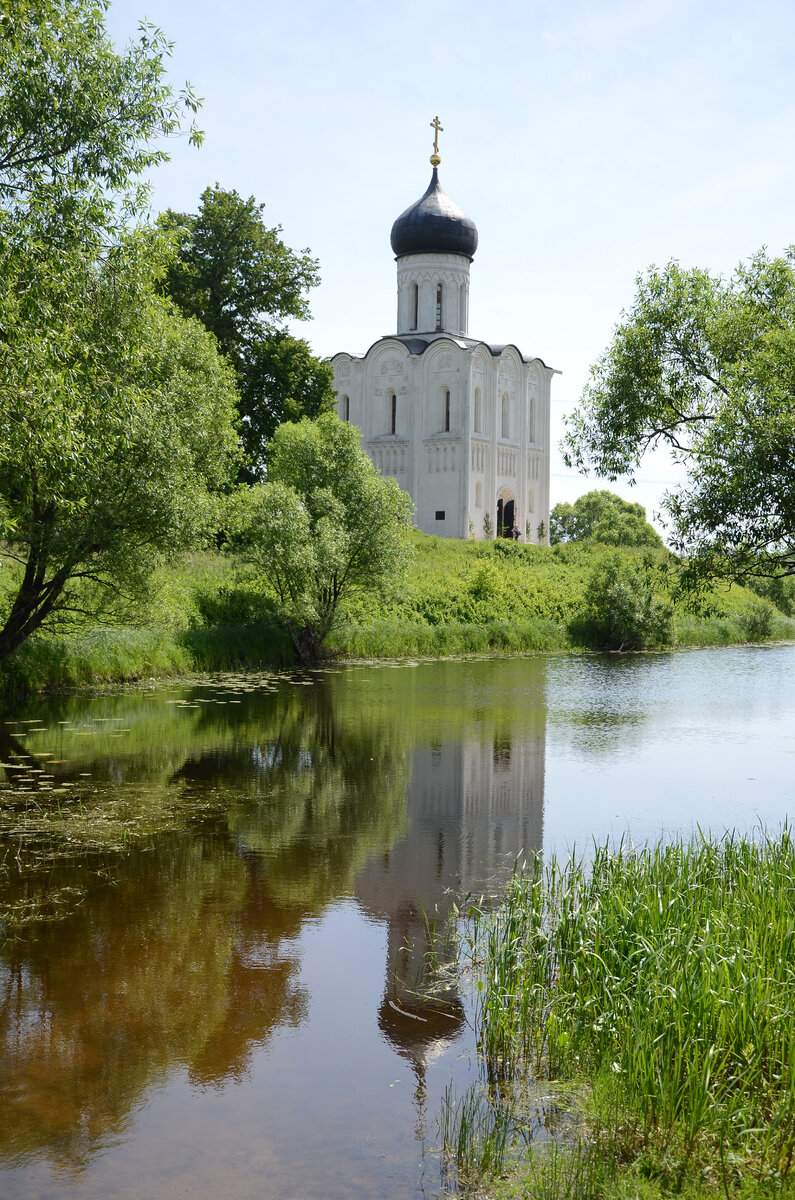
662 982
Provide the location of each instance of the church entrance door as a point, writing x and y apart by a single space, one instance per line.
506 514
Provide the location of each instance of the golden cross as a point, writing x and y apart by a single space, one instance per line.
437 126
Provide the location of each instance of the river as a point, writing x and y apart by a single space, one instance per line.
229 996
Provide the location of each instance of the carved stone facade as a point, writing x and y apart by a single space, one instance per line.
462 425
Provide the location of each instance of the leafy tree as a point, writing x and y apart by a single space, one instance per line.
623 609
238 277
283 381
706 366
79 122
601 516
116 411
325 526
118 418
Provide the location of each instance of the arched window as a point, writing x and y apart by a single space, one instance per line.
478 495
393 414
438 306
345 408
505 430
531 419
446 410
414 303
478 412
462 308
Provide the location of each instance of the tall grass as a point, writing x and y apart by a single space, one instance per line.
475 1130
94 656
394 638
663 980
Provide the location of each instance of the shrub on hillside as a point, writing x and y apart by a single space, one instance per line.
231 605
780 590
622 607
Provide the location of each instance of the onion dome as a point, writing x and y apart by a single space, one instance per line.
434 225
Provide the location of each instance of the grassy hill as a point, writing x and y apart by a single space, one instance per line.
210 612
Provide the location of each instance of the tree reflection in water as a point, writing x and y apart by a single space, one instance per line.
249 809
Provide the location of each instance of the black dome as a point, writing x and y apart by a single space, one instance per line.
434 225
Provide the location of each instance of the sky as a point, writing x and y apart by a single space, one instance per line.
588 141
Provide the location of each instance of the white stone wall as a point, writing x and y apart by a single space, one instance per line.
456 456
426 272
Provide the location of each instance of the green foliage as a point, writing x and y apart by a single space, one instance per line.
213 611
601 516
117 413
393 638
658 981
237 276
325 526
79 122
89 657
118 420
779 591
488 527
281 381
623 608
706 366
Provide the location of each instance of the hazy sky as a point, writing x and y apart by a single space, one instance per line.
587 140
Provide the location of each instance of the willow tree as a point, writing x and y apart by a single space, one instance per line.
117 428
705 366
116 413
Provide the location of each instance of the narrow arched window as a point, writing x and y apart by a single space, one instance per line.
447 410
438 306
414 302
345 408
478 495
478 412
393 414
462 308
506 416
531 419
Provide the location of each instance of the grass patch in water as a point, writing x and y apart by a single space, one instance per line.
660 985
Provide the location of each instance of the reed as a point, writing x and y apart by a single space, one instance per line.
476 1130
663 980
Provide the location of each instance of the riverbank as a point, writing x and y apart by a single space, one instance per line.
636 1028
210 613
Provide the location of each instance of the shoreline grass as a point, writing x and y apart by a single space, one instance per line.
657 987
209 613
99 657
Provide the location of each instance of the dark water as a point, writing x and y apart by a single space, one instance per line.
228 998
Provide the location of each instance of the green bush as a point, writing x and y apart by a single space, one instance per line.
779 591
238 605
757 623
623 610
601 516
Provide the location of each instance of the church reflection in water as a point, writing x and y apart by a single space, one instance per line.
473 808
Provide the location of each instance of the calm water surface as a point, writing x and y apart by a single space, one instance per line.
230 1004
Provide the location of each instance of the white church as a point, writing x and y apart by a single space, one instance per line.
462 425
